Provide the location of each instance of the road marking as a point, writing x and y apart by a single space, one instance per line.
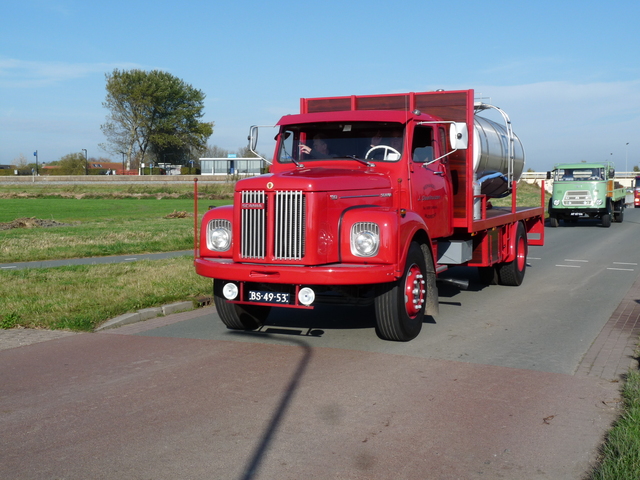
533 258
624 263
130 259
569 266
13 266
622 269
570 260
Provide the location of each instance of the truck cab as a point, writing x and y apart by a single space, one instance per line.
585 191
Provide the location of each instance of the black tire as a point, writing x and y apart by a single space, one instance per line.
553 220
235 316
398 318
512 273
619 217
606 220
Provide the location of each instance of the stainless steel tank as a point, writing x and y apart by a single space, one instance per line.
491 149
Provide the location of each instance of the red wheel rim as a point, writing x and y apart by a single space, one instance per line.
521 257
414 291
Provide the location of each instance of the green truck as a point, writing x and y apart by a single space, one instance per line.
585 190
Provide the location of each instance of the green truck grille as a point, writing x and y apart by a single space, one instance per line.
577 198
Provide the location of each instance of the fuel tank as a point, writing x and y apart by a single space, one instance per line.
491 157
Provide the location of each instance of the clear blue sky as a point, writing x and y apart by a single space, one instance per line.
567 72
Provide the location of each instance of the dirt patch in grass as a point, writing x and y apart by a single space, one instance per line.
30 223
179 214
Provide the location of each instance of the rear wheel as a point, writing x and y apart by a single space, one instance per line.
512 273
400 305
235 316
619 217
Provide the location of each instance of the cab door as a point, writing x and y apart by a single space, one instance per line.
430 179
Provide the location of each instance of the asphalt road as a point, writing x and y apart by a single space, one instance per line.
491 389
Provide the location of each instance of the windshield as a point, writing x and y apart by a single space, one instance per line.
375 141
579 174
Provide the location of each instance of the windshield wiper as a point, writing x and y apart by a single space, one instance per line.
357 159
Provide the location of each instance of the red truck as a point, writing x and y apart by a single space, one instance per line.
368 199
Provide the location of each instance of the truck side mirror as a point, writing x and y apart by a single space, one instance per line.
612 173
253 138
458 136
548 175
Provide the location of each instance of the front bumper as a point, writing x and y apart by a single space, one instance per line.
333 274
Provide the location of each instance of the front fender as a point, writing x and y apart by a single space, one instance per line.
222 213
396 234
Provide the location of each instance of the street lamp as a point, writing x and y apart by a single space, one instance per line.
35 154
122 162
86 162
626 157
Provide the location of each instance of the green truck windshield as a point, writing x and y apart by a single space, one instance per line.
579 174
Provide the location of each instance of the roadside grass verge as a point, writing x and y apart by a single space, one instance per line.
528 196
620 454
80 298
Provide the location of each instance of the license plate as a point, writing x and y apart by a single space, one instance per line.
268 297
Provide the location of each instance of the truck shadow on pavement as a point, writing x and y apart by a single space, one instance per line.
288 321
253 465
313 323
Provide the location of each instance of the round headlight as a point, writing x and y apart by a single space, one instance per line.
365 243
556 203
306 296
219 235
230 291
365 239
599 201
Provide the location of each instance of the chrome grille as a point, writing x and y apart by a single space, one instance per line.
253 235
577 198
288 225
289 228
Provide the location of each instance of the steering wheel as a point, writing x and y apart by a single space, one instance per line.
387 149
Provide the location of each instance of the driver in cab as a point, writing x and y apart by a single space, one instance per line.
386 148
318 148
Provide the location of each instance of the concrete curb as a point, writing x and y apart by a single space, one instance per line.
145 314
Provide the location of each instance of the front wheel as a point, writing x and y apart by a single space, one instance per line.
235 316
606 220
553 222
512 273
400 305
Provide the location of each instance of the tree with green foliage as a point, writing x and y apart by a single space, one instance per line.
72 164
153 112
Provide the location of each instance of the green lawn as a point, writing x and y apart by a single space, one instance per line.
96 227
